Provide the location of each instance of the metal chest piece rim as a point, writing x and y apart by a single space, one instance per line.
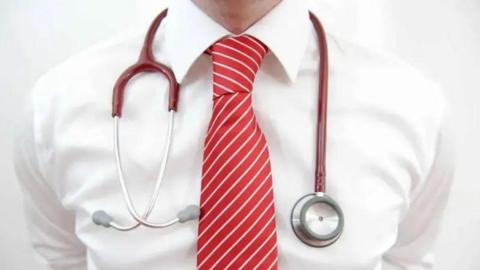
307 229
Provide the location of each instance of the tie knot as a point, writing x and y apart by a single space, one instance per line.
236 61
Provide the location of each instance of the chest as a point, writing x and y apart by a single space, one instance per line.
374 156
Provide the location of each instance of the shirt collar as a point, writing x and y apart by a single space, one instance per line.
189 32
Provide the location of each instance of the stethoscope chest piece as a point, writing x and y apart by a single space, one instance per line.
317 220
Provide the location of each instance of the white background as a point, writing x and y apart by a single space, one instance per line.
440 37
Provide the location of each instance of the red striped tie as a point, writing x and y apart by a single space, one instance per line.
237 221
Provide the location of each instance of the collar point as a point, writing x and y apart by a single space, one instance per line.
292 75
180 76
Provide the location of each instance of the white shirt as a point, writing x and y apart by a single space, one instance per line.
389 161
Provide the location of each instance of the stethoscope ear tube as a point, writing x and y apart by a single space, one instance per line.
102 218
146 63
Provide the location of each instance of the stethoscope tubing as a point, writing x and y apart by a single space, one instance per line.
321 140
147 63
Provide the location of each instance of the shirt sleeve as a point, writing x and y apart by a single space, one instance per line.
417 232
51 227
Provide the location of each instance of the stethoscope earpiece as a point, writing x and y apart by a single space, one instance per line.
101 218
190 212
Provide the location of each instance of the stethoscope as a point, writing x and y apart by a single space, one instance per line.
316 218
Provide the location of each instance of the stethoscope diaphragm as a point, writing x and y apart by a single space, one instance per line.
317 220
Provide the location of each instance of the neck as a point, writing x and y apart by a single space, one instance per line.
236 15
